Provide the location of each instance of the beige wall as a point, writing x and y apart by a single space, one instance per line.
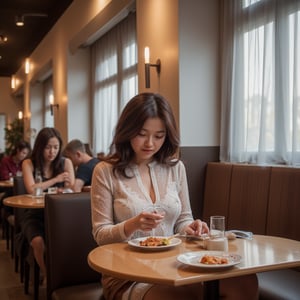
199 72
9 104
157 28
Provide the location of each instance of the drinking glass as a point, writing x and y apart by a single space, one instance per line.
217 226
156 209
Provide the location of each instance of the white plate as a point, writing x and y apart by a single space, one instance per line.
193 259
136 243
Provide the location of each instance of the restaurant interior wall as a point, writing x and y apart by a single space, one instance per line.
161 36
79 100
9 105
36 106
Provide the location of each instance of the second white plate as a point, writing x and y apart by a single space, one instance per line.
193 259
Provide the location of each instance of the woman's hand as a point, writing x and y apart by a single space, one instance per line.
145 221
197 227
63 177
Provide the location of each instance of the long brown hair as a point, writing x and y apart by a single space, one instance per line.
136 112
40 143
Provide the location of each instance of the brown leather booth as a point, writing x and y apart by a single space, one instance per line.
261 199
69 239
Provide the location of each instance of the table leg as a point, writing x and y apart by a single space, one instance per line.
211 290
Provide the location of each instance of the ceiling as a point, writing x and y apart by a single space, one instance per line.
39 18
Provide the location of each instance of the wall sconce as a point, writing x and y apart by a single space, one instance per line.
27 66
52 105
20 115
148 65
13 82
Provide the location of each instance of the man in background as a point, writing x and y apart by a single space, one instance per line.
83 164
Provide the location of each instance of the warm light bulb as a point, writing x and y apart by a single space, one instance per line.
51 99
27 66
13 82
147 55
20 115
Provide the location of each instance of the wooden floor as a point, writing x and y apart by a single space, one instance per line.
10 286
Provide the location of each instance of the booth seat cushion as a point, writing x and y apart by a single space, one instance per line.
91 291
279 285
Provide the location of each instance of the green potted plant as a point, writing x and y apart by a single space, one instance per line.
13 134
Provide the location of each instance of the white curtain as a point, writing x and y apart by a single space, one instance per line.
260 112
114 79
47 91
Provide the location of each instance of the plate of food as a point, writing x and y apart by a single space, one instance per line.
155 243
209 259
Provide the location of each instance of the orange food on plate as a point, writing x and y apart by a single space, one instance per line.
213 260
154 241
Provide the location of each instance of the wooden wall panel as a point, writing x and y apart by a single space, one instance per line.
249 193
284 203
217 190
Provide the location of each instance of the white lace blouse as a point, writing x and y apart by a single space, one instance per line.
114 199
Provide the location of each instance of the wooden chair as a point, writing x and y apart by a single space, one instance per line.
68 241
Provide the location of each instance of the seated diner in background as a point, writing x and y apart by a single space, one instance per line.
11 165
56 171
141 170
83 163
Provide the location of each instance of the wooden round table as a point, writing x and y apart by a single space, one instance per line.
6 183
25 201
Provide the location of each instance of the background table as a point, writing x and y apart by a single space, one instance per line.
25 201
6 184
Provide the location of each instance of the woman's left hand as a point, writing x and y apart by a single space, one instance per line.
197 227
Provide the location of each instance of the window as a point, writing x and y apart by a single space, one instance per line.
261 82
114 64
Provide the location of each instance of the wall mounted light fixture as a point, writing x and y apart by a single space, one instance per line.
20 115
27 66
148 65
52 105
13 82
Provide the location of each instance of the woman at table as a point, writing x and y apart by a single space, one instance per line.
56 171
142 169
11 165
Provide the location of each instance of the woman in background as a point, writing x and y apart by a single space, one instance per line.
11 165
142 169
56 171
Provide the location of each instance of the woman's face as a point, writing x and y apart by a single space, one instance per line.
22 154
51 150
149 140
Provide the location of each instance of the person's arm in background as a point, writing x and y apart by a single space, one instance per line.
68 168
78 185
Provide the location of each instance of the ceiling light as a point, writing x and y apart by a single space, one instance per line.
3 38
20 20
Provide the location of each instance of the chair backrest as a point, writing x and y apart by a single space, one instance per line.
19 186
69 239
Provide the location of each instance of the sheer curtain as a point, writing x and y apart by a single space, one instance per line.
260 112
47 91
114 77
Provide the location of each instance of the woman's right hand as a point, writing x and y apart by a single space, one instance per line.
63 177
145 221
